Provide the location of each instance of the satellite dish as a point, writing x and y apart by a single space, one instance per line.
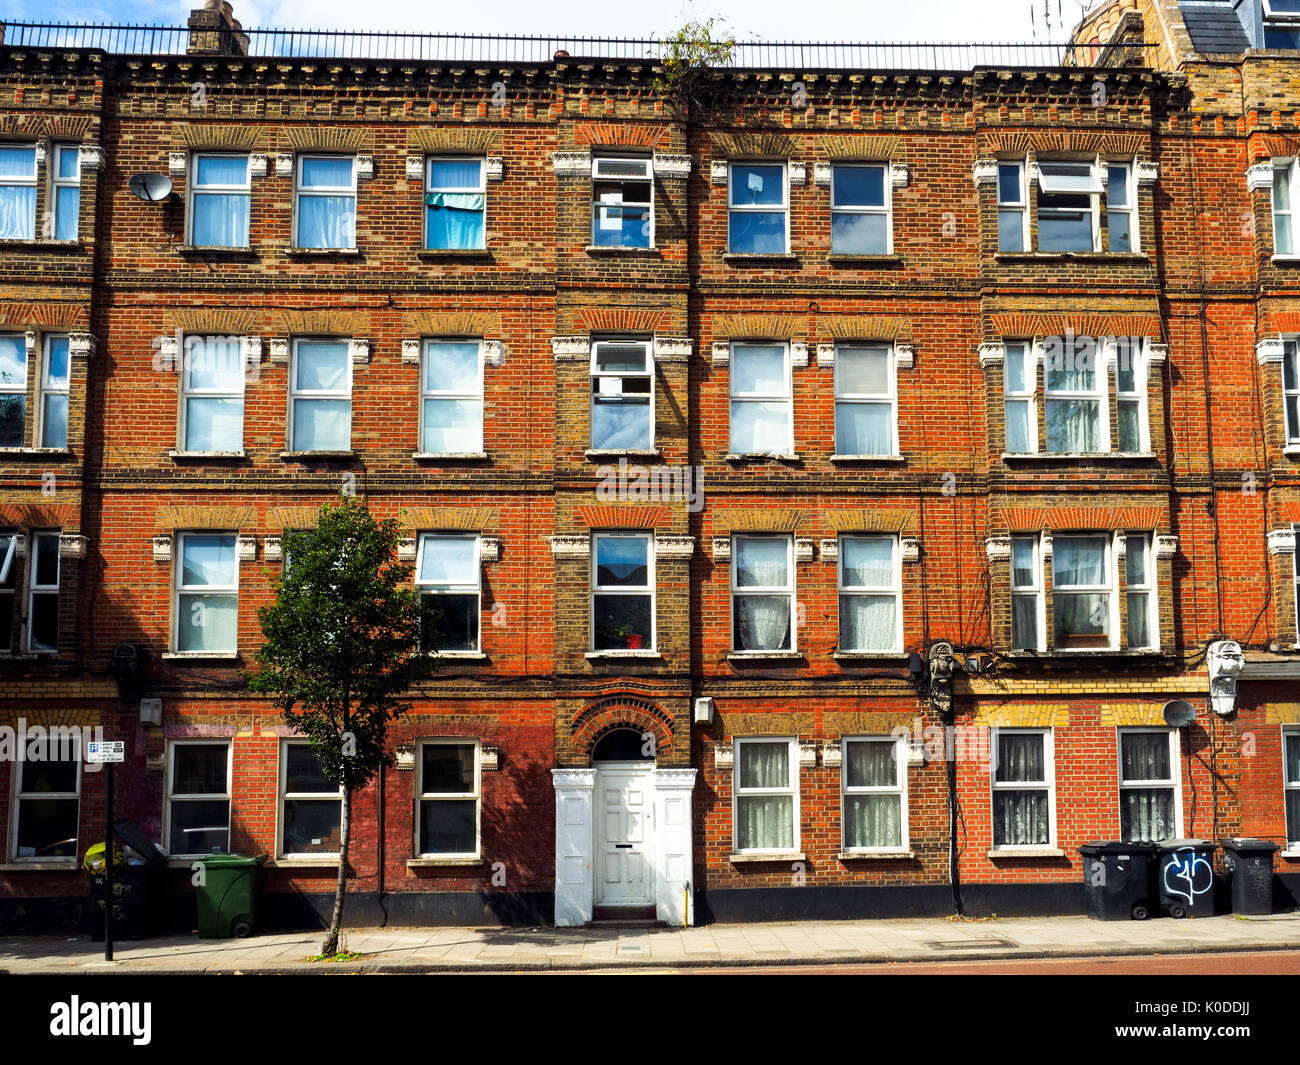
151 187
1179 713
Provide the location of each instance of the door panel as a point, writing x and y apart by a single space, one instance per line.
625 824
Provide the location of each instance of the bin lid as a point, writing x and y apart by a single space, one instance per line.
1115 846
1249 844
231 860
134 837
1168 845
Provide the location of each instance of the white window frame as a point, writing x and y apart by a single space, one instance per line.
10 566
15 810
1027 394
284 795
1287 19
649 168
1048 785
1291 357
894 589
1110 590
1131 209
766 208
1034 591
900 789
887 210
476 396
34 589
180 589
47 389
19 389
1289 786
300 191
788 589
1291 168
439 588
25 182
1137 396
422 796
648 591
598 374
173 796
296 393
1046 185
430 189
1144 542
1175 780
1295 573
188 392
246 190
792 789
786 396
888 398
58 182
1100 395
1020 206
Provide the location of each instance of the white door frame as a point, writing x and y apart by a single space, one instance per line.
668 846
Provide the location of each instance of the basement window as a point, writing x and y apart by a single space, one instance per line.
622 202
1291 785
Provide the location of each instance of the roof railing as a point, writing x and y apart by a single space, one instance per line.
480 48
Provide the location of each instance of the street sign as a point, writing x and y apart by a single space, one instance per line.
106 751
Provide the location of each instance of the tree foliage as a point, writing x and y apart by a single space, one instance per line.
340 650
691 63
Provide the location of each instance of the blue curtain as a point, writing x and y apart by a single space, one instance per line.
455 220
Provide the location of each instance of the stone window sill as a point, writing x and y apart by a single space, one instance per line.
1026 852
200 656
1076 456
323 253
767 856
206 456
316 456
868 458
450 456
615 652
614 249
35 452
1100 257
596 454
864 260
305 861
217 251
41 865
859 656
1085 652
755 656
855 856
1292 451
439 863
776 258
762 456
39 245
1287 260
442 254
1292 855
471 656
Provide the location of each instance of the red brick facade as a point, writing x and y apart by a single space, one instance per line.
1212 492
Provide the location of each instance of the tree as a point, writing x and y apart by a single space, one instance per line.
341 647
691 58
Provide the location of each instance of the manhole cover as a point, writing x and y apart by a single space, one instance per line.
968 944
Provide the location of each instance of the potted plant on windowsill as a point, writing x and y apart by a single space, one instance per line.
626 635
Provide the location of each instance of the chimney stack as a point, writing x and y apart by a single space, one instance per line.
214 30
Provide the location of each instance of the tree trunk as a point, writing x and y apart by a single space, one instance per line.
331 945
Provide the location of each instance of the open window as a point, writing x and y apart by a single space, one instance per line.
622 395
622 202
1067 205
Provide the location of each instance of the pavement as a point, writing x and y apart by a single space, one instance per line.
436 949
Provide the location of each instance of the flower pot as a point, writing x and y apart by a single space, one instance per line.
635 641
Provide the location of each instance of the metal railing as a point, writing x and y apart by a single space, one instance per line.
476 48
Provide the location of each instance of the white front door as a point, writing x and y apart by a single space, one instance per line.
625 825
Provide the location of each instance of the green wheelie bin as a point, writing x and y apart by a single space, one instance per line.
228 897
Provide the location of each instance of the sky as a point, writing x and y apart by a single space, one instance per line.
771 20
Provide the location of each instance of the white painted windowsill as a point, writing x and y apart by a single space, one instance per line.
435 863
767 856
625 652
747 656
855 656
305 861
467 655
868 458
1090 456
199 656
853 856
1026 852
630 453
449 456
209 455
762 456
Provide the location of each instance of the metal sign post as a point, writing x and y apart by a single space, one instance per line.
108 754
